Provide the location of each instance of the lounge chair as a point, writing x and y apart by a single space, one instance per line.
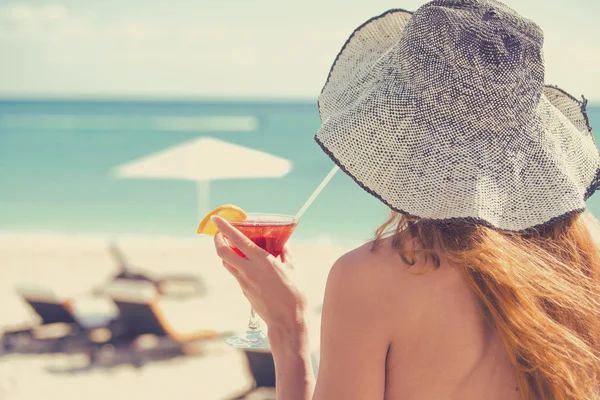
173 285
262 368
55 311
141 314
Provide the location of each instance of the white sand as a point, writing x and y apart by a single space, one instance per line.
72 265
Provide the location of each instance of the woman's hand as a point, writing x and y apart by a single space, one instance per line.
266 281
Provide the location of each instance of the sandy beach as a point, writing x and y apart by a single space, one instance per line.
74 265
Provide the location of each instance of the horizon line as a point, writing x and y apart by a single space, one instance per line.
181 99
160 98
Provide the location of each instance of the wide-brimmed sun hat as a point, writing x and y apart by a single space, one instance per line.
443 114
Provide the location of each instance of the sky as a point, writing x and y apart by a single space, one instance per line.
232 48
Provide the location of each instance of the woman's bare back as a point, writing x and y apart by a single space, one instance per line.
441 346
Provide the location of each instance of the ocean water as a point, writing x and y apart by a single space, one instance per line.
56 159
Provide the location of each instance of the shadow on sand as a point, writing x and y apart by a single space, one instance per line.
89 356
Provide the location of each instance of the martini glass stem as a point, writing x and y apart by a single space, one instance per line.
254 323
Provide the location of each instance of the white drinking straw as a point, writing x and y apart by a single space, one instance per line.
316 192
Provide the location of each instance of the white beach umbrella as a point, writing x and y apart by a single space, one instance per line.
203 160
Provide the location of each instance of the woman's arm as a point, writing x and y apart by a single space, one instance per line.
293 365
355 334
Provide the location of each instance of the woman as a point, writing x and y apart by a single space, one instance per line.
485 282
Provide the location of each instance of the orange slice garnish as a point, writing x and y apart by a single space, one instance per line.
227 212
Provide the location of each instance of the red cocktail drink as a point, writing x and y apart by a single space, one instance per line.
270 232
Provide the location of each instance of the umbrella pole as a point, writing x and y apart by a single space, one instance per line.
203 193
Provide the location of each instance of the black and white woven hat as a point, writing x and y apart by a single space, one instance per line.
443 114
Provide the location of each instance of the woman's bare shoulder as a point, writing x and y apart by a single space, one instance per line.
382 277
385 266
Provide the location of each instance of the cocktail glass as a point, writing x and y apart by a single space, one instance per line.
270 232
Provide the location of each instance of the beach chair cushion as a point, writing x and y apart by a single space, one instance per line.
93 312
131 291
47 304
40 293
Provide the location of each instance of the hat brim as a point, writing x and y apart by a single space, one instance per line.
359 156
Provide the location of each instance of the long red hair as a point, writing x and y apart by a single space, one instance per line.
541 291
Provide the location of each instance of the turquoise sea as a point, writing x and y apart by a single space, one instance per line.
56 159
